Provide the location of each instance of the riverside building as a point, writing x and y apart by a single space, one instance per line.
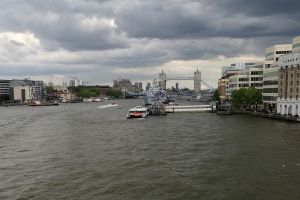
223 89
27 90
270 74
227 85
235 67
252 77
5 86
288 102
21 90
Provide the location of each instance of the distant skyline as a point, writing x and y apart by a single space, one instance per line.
102 40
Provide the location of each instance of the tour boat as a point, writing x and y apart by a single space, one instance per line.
137 112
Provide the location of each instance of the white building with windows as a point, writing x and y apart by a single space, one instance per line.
288 101
270 74
236 66
252 77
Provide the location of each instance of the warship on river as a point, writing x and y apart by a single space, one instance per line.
155 95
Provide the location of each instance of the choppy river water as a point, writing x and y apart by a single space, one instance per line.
77 151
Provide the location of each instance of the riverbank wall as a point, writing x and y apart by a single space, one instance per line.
268 115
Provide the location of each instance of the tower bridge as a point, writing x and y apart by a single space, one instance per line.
162 81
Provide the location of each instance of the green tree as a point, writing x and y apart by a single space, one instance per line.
114 93
216 96
85 92
50 89
246 97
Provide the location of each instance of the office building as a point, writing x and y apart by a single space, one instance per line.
27 90
252 77
270 88
236 67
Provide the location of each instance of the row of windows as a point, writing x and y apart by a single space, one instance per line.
257 84
292 83
291 60
244 85
243 79
290 97
256 78
292 76
291 90
283 52
269 98
256 72
270 90
273 82
271 74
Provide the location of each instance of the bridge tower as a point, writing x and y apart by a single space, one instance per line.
162 80
197 82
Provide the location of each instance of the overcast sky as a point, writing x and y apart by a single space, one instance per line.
102 40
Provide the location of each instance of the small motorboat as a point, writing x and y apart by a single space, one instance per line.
109 105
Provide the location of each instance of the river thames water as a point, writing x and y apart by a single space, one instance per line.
78 151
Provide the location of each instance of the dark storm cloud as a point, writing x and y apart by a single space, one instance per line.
106 34
194 19
59 23
260 7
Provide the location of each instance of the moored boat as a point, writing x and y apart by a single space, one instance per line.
138 112
189 108
35 103
39 103
155 95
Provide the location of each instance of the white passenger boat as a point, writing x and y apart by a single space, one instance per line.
138 112
189 108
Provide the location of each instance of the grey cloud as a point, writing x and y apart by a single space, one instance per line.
100 35
57 24
194 19
260 7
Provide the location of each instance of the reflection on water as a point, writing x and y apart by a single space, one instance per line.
76 151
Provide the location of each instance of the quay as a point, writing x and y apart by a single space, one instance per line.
268 115
157 109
